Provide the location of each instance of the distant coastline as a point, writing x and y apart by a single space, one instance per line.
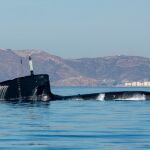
86 72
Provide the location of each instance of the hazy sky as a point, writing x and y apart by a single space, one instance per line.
77 28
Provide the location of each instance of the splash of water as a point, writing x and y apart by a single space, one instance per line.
100 97
78 98
135 97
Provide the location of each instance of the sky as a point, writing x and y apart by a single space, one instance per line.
77 28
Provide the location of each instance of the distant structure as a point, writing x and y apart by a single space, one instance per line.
137 84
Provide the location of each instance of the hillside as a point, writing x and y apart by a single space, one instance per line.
75 72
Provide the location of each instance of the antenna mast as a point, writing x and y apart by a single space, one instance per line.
31 66
21 67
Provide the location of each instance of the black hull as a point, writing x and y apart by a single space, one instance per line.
37 88
109 96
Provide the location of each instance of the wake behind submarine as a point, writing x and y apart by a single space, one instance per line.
37 88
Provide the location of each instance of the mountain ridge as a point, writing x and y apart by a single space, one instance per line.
108 70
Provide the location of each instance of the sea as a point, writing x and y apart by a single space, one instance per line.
76 124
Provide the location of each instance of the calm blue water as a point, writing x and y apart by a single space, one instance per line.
70 125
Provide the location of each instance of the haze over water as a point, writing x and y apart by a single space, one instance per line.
75 124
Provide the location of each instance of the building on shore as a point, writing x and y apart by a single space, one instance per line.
137 84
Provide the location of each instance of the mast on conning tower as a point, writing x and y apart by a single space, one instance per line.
31 66
21 65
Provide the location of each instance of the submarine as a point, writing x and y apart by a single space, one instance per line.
37 88
27 88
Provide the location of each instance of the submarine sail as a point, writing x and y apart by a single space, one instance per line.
32 87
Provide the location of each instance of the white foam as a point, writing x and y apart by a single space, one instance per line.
100 97
78 99
135 97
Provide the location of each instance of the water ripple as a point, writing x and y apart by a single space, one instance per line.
73 125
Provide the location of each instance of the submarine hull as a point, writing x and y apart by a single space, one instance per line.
37 88
108 96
